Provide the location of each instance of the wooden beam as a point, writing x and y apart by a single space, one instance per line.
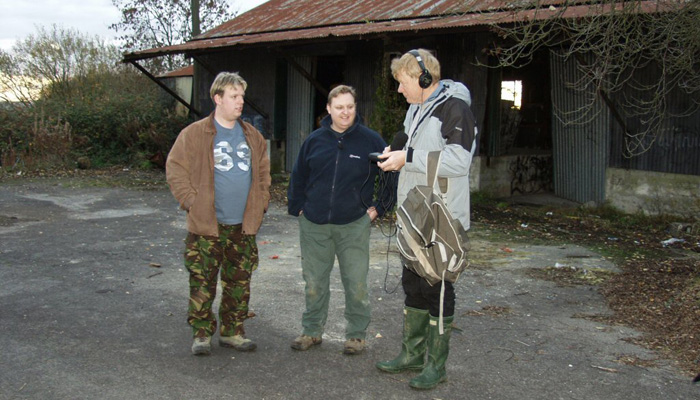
249 102
305 74
165 87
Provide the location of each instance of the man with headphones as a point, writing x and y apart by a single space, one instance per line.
439 119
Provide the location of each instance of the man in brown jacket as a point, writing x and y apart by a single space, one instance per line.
219 172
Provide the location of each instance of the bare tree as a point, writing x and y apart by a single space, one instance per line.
158 23
50 59
611 41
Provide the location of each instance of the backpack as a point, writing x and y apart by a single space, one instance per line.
431 243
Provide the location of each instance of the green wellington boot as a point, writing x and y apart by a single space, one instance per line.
438 349
413 344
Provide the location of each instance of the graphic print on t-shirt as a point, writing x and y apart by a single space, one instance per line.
232 174
223 160
243 153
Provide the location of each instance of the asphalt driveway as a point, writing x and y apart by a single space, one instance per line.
94 294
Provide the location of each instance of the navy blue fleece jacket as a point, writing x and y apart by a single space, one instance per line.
333 180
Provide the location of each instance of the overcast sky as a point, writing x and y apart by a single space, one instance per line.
20 18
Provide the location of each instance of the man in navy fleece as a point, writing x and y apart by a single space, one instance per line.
331 191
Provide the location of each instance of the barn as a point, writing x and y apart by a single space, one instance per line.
291 52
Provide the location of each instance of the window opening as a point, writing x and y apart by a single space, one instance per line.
512 91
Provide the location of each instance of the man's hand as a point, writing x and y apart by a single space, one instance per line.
372 212
393 160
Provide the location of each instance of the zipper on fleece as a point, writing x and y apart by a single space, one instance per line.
335 176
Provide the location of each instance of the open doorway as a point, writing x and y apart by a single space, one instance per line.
526 109
330 71
518 125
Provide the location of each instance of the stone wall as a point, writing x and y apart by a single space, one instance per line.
653 193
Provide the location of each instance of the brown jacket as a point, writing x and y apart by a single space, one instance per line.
190 174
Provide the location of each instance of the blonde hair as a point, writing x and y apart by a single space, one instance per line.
408 64
341 89
224 80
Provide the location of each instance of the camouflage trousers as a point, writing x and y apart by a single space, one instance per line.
234 256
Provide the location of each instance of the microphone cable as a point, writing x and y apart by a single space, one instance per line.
385 181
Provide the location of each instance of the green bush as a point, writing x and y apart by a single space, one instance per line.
389 106
75 104
33 140
111 118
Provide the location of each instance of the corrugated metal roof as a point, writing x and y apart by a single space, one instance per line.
298 20
280 15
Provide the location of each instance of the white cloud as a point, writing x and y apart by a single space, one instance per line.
19 19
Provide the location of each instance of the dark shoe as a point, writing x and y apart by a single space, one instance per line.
413 344
201 346
354 346
303 342
438 349
237 342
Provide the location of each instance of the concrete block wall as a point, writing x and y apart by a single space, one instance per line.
491 175
653 193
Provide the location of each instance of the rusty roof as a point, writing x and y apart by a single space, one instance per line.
285 15
286 21
184 71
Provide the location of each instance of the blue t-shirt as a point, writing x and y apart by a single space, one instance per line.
232 175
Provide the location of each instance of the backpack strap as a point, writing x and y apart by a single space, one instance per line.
441 327
433 165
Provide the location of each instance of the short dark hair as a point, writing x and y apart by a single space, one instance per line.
341 89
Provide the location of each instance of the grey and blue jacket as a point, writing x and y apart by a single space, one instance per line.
333 179
445 123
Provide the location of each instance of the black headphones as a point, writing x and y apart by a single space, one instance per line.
425 79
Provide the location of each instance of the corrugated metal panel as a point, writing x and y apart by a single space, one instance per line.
675 148
580 150
299 109
672 148
268 23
